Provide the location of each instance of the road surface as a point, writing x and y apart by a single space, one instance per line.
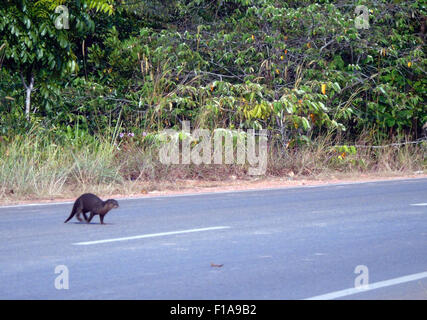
343 241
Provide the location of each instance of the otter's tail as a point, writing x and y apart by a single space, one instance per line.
73 212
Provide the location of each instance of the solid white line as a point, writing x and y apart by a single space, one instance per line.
419 204
35 204
372 286
151 235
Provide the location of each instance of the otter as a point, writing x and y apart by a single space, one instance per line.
89 202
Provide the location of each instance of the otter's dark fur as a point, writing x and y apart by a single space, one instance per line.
89 202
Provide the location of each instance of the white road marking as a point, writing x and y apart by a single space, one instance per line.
372 286
419 204
150 235
35 204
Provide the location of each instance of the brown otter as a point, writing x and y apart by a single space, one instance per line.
89 202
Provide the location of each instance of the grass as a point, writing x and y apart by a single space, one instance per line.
42 166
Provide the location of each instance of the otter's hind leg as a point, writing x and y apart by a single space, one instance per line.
76 209
85 216
80 211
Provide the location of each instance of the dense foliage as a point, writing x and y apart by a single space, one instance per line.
298 68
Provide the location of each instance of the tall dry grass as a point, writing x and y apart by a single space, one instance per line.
42 166
37 165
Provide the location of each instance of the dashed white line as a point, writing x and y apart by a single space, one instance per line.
419 204
150 235
35 204
372 286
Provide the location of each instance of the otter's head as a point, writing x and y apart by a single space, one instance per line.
111 203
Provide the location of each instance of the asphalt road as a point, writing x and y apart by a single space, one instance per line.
293 243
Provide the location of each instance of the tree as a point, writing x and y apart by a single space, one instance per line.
38 48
